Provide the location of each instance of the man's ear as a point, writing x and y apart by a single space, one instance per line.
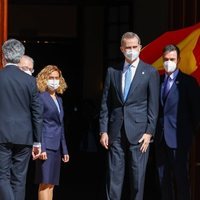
178 60
140 47
122 49
3 60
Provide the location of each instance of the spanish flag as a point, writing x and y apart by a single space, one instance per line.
187 39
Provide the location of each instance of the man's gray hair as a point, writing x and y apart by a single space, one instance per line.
130 35
13 50
28 58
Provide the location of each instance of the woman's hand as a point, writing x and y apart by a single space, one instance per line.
43 156
65 158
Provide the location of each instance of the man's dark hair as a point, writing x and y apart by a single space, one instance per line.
171 47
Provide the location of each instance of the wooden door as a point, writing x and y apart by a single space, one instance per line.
3 24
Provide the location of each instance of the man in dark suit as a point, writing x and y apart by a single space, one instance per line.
178 119
20 122
128 117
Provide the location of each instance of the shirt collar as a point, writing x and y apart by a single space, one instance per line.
126 64
11 64
172 75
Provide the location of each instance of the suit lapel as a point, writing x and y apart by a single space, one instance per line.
139 73
173 89
118 81
61 114
162 88
53 105
176 83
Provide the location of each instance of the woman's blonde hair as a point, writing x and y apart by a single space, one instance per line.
43 76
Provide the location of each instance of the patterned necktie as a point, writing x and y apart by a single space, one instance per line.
166 88
128 79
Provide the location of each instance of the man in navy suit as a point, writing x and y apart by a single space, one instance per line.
128 118
20 122
178 119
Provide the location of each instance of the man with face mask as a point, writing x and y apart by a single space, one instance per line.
178 120
26 64
128 117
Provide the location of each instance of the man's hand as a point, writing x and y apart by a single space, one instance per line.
104 140
144 141
36 151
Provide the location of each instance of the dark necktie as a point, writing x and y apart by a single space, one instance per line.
128 79
166 88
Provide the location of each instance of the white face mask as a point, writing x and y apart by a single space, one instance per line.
169 66
131 54
53 84
28 72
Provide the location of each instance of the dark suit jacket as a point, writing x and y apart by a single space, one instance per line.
20 110
53 135
139 112
179 116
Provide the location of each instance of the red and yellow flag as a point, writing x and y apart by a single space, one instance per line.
187 39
